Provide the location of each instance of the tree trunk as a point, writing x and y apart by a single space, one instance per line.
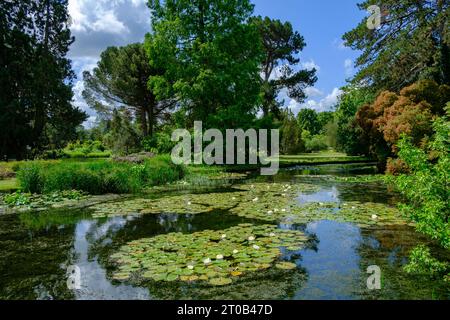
143 120
151 121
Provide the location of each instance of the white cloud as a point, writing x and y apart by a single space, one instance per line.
313 92
102 23
325 104
108 22
339 44
348 66
98 24
309 65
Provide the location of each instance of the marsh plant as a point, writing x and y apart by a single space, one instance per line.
98 177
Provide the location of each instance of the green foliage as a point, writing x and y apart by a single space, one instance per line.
281 46
427 187
17 199
291 135
349 136
324 118
160 143
30 177
36 110
308 120
98 177
86 149
314 143
421 262
122 139
412 43
120 79
212 63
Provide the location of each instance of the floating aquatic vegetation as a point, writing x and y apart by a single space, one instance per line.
261 195
269 202
367 178
364 214
179 204
24 202
206 256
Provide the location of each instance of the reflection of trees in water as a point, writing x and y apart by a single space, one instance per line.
269 284
389 248
33 261
272 284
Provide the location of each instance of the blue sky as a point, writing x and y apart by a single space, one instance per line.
97 24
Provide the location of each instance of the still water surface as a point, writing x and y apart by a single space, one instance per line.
36 250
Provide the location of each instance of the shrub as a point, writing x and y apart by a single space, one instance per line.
396 167
426 188
421 262
314 143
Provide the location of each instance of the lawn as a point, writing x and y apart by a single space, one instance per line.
328 157
9 185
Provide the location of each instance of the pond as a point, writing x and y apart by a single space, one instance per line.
303 234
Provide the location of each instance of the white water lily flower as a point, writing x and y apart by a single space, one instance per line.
321 203
255 200
207 261
224 236
256 247
272 234
219 257
190 267
374 217
276 210
284 195
353 207
189 203
235 251
251 238
283 210
269 212
234 198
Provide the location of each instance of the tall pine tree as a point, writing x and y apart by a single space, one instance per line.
35 77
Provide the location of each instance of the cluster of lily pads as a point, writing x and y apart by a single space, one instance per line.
269 202
255 199
179 204
363 214
215 257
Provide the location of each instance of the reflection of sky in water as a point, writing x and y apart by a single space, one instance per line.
94 283
324 195
334 269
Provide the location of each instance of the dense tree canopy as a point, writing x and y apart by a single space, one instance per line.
309 121
212 59
412 43
36 77
281 48
410 113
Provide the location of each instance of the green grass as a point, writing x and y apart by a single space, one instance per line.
97 176
9 185
320 158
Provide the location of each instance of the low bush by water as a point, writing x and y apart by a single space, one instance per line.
97 177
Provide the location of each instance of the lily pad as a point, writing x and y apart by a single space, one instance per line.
286 265
220 281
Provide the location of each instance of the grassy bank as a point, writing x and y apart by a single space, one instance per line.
321 158
97 177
